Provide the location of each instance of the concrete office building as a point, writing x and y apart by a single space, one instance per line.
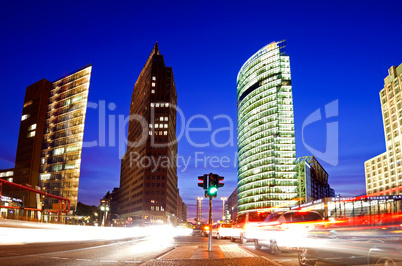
384 172
148 190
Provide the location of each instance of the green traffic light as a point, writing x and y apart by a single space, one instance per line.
212 190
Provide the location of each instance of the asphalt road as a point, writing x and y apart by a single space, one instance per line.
138 246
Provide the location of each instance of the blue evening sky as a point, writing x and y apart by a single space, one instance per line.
339 50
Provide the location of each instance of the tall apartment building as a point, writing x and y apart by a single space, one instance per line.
266 136
384 172
50 139
148 180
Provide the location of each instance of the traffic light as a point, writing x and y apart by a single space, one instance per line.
203 183
213 185
220 178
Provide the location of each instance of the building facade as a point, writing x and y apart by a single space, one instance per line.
233 205
312 180
60 160
266 136
50 139
148 181
384 172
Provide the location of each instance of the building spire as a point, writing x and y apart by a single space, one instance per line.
155 50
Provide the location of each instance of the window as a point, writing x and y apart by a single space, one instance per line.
58 151
157 105
166 126
57 167
32 127
31 134
153 84
27 104
153 78
167 104
152 104
23 117
165 133
152 91
44 177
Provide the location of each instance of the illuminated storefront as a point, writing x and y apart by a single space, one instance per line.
266 139
346 207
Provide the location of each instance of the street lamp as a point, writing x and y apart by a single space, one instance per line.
199 209
104 208
223 208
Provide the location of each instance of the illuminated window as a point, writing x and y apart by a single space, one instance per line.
153 84
160 132
72 148
165 133
70 166
31 134
152 105
156 126
32 127
162 105
27 104
150 132
166 119
167 104
152 208
157 105
150 125
58 167
77 99
157 208
161 118
166 126
44 176
24 117
58 151
152 91
160 125
153 78
9 173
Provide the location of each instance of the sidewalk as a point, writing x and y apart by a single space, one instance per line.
220 255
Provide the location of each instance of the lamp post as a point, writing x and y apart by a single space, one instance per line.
104 207
199 209
223 208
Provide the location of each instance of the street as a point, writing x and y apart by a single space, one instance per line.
148 245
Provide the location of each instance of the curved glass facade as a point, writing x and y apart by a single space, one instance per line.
265 132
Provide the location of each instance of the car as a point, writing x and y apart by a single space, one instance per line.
286 230
222 230
369 240
244 227
205 230
197 230
200 229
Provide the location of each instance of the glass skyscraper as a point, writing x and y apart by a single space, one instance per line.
267 176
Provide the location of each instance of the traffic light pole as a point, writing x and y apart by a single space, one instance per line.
210 225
